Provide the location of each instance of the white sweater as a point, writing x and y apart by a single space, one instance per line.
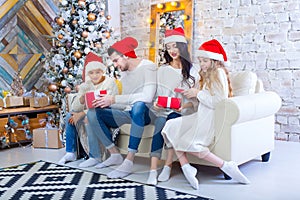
137 85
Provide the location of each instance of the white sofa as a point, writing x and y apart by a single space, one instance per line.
244 124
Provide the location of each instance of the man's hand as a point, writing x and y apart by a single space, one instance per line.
104 101
76 117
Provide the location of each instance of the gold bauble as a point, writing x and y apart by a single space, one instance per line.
52 87
65 70
60 36
67 89
77 54
108 17
60 21
84 34
98 45
91 16
74 22
107 34
81 3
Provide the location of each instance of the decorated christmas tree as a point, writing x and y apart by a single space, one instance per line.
80 27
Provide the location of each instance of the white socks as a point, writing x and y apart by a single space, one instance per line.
114 159
190 174
68 157
88 163
152 177
123 170
165 174
232 170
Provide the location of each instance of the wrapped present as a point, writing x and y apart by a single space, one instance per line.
13 101
169 102
91 96
178 90
38 102
46 138
1 102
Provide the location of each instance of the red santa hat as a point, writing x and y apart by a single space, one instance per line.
175 35
213 49
92 62
126 46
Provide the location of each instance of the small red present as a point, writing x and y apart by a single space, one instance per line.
169 102
91 96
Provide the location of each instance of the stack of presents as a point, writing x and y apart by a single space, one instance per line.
26 125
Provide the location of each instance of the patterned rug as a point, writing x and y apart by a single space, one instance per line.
47 181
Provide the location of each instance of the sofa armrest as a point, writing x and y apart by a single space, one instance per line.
249 107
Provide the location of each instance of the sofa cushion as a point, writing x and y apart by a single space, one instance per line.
243 83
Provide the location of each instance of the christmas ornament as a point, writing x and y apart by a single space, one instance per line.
91 16
91 28
52 87
69 44
65 70
60 36
81 3
85 34
98 45
74 22
77 54
67 90
108 17
60 21
92 7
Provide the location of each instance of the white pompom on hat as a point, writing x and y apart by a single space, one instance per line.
175 35
92 62
213 49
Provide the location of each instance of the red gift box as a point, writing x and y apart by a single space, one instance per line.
91 96
169 102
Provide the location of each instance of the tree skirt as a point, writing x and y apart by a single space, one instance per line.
48 181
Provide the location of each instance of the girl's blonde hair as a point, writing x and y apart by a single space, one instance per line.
210 77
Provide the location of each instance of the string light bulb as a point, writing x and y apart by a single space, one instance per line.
175 4
184 17
160 6
150 21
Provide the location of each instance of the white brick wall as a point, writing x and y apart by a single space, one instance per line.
259 35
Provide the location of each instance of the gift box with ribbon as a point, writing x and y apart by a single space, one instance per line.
91 96
46 138
169 102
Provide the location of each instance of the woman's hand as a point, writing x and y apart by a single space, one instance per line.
190 93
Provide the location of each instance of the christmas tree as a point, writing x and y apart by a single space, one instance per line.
80 27
17 88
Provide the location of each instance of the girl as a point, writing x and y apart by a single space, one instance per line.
177 73
194 133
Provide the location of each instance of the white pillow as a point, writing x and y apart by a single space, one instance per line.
243 83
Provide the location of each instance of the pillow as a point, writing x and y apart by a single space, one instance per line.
243 83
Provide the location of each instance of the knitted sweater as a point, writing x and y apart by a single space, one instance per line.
108 84
137 85
169 78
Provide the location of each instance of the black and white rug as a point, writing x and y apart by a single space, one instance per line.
47 181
